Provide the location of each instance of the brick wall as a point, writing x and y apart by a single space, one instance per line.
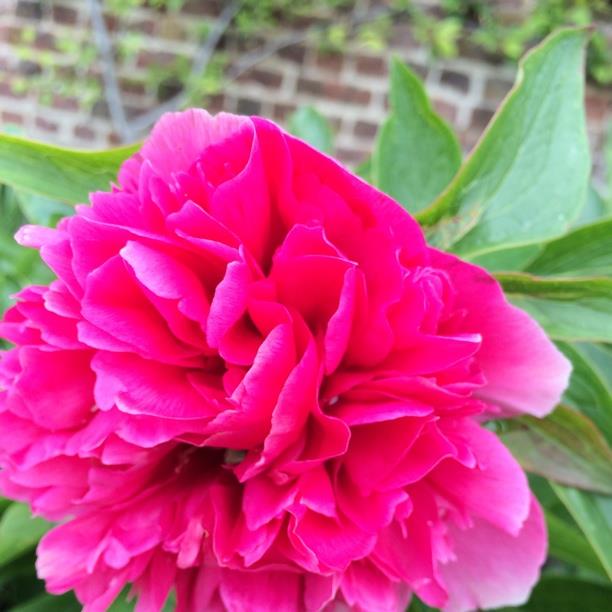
349 89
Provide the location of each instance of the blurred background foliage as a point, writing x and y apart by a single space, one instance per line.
445 30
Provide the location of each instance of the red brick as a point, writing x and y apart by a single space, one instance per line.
112 22
64 14
365 129
334 91
30 9
45 41
114 140
210 8
9 117
481 117
597 107
280 112
84 132
65 103
469 138
169 29
10 34
496 89
155 58
331 62
246 106
145 26
100 110
419 69
446 110
6 89
46 125
375 66
351 157
402 36
293 53
267 78
132 86
215 103
310 86
455 80
347 93
28 68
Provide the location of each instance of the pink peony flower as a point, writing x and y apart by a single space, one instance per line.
254 383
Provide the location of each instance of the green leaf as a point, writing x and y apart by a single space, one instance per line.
595 208
565 447
566 542
42 211
64 175
508 260
19 532
587 251
49 603
310 125
568 309
593 514
123 603
416 153
588 390
527 178
567 594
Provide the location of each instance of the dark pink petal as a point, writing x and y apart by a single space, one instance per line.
365 588
143 387
495 489
264 590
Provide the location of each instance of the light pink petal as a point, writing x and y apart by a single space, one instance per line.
502 577
406 551
524 370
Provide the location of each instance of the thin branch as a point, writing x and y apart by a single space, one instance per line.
112 92
200 63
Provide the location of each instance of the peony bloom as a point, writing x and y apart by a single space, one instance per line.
253 383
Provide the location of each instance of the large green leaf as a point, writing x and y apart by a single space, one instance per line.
310 125
588 390
416 153
49 603
527 178
595 208
567 594
593 514
565 447
19 532
585 251
568 309
508 260
567 543
40 210
65 175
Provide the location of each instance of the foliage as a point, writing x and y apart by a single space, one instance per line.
502 208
